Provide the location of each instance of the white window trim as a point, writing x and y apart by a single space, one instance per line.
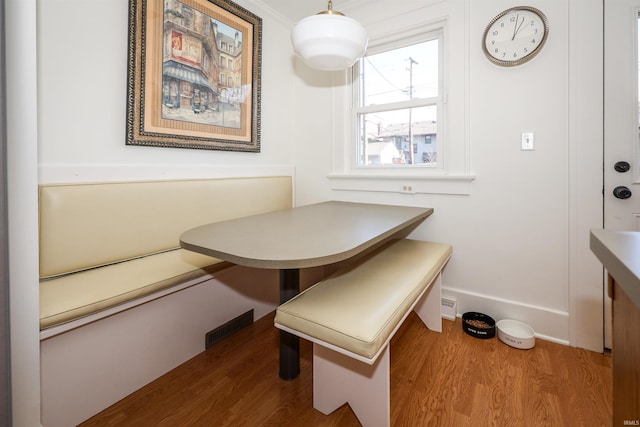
437 101
416 179
406 184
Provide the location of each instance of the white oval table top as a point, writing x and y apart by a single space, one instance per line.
306 236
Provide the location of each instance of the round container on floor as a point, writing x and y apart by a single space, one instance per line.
516 334
478 325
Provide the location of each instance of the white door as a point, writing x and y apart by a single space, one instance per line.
621 124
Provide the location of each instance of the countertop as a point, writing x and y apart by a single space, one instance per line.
619 253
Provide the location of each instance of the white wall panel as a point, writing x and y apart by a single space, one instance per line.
82 78
22 137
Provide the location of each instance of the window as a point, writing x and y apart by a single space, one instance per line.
398 105
416 71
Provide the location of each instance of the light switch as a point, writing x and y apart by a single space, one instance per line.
527 141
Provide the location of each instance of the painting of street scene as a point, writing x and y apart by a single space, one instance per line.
201 68
193 75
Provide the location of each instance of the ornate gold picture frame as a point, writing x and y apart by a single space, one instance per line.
193 75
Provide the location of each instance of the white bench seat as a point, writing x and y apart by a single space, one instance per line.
352 315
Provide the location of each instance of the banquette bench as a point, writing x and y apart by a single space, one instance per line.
120 302
103 244
352 315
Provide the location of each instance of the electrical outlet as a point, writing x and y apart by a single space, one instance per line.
407 189
527 141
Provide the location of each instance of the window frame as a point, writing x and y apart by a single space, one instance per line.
437 101
455 176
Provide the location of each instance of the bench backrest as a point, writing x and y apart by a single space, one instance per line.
84 226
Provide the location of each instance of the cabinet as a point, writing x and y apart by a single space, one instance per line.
626 358
619 253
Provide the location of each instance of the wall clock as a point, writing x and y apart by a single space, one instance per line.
515 36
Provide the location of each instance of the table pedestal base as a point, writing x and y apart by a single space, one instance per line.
289 343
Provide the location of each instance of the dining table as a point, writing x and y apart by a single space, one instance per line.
301 237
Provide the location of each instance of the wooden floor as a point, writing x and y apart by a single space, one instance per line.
448 379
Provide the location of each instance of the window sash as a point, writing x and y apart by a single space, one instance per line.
357 111
401 105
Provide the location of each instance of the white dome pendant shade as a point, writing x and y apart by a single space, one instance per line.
329 40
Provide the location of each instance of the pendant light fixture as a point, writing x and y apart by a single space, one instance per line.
329 40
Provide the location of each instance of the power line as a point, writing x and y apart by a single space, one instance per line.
380 73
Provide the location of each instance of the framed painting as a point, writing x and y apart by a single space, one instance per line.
193 75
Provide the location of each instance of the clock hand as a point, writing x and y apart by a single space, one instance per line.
515 26
518 30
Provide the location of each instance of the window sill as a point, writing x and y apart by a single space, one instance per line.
406 184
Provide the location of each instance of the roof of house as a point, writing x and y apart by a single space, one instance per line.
428 127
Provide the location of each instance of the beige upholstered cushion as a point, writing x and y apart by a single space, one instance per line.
87 225
103 244
357 308
73 296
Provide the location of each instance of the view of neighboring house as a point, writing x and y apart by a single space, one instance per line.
380 153
391 144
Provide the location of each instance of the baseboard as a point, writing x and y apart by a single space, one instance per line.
549 324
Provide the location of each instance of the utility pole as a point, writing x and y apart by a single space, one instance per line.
411 63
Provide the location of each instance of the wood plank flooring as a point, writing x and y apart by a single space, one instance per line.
448 379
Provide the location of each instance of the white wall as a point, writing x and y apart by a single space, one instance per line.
82 81
520 237
20 27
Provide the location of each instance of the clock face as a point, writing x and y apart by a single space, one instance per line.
515 36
